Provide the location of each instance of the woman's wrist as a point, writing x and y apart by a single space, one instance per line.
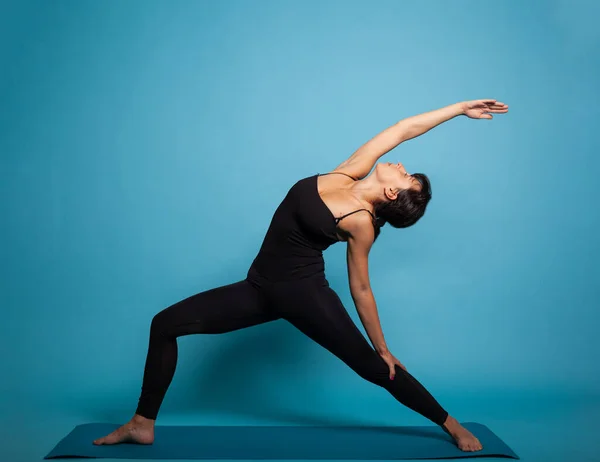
382 349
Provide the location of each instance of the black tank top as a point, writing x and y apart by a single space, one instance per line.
302 227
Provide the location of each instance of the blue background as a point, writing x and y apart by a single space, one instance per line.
145 145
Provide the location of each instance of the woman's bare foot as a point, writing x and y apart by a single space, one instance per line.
138 430
463 437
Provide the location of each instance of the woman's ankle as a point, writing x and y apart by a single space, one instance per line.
450 424
138 419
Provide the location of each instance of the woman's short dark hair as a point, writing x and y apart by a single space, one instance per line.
406 209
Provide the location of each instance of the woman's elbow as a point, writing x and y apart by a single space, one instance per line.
360 289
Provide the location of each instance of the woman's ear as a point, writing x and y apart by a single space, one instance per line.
391 193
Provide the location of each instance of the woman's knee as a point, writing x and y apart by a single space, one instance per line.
161 324
374 371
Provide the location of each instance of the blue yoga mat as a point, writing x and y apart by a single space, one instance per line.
282 442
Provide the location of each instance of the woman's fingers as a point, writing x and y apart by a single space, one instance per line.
492 104
390 364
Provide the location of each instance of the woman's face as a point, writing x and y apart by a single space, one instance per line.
396 177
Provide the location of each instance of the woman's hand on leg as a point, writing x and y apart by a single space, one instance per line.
391 361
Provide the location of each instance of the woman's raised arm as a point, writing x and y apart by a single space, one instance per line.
360 163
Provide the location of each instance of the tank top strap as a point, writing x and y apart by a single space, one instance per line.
337 220
340 173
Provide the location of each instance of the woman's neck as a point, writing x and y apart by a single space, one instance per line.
368 190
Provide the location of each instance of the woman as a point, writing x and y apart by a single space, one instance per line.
287 281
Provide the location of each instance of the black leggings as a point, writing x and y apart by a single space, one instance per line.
308 304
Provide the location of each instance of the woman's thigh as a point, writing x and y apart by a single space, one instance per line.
317 311
218 310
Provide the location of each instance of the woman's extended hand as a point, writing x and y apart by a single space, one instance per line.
482 108
391 361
